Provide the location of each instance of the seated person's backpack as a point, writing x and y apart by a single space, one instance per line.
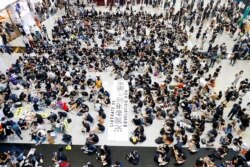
159 140
133 139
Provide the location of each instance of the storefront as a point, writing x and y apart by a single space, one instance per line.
6 20
14 14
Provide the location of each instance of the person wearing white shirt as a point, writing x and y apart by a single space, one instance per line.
97 105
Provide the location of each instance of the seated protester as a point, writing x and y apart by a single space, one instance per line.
161 156
106 101
133 157
40 137
212 134
148 120
86 127
237 160
62 114
58 126
23 124
238 142
137 121
59 103
59 156
163 160
85 95
92 138
117 164
219 96
205 161
92 96
105 160
163 149
85 108
22 96
199 163
52 117
220 152
88 118
102 113
168 139
13 98
101 117
37 118
63 90
138 106
89 164
47 101
226 140
160 114
138 135
36 106
167 129
65 107
180 134
194 145
67 139
180 158
6 111
30 161
104 155
97 106
78 104
89 148
104 149
5 159
99 129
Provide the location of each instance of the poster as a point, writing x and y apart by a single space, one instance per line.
118 118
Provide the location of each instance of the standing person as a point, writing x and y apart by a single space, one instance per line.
98 82
4 38
18 9
31 41
174 2
26 43
203 40
236 108
44 30
5 42
237 77
213 59
234 58
16 128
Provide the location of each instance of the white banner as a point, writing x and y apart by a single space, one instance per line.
118 118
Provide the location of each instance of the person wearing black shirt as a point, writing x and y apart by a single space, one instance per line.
6 111
236 108
93 138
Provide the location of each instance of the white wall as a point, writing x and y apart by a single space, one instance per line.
4 3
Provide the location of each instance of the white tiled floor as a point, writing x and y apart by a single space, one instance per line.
152 132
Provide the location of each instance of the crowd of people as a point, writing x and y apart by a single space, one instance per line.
141 48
